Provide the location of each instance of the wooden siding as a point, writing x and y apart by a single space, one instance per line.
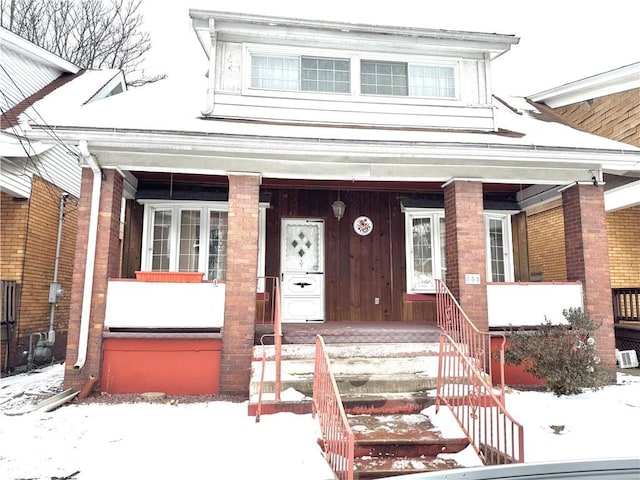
359 269
546 245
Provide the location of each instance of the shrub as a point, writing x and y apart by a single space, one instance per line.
564 355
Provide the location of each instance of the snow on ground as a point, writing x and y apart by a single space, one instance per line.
170 440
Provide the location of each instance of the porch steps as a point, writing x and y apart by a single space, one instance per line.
387 445
384 387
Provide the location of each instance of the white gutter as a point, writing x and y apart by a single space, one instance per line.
91 254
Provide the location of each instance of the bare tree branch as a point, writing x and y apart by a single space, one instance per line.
92 34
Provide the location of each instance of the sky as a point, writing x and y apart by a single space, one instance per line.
219 440
560 41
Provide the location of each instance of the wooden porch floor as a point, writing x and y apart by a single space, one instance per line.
352 332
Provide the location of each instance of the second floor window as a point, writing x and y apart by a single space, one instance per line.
396 78
301 73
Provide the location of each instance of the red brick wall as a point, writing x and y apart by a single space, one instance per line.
623 231
29 235
242 271
107 264
466 250
588 260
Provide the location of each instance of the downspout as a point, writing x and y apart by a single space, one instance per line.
91 254
211 81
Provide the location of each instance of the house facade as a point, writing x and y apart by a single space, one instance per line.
354 164
607 104
39 191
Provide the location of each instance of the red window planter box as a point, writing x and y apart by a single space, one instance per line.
179 277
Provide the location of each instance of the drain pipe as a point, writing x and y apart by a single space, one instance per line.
91 254
55 290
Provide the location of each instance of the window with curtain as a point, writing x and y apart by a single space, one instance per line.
425 240
425 249
498 237
188 237
301 73
416 80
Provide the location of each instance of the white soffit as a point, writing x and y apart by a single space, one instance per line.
607 83
625 196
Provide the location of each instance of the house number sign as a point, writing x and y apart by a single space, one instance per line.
363 225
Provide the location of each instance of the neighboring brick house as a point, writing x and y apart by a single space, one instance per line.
607 104
357 164
39 191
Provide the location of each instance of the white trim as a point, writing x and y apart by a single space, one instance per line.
625 196
355 58
607 83
14 42
434 214
507 244
204 207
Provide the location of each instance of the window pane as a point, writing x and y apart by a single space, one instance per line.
325 75
432 81
189 241
217 261
160 245
279 73
496 250
422 254
383 78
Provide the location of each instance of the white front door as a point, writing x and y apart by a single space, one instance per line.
302 268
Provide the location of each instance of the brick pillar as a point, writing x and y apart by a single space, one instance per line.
465 239
107 263
242 271
586 248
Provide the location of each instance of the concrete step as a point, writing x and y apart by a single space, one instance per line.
388 445
359 368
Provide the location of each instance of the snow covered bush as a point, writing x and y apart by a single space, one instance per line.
562 354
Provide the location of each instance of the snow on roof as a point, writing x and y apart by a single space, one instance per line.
70 96
170 106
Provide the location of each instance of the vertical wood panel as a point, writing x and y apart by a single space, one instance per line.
358 269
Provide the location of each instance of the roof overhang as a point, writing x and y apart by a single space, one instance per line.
364 160
266 29
607 83
15 42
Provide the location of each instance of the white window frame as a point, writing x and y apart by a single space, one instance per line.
455 65
204 207
507 245
354 59
437 261
437 266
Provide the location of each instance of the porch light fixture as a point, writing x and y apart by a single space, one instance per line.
338 208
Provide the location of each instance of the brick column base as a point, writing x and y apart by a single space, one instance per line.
107 263
586 247
242 271
466 251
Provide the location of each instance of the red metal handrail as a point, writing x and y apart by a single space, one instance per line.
465 384
337 437
277 342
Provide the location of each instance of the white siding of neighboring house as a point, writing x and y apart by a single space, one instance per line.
55 166
234 100
21 77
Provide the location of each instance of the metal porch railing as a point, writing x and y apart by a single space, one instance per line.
271 286
626 304
465 384
338 439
